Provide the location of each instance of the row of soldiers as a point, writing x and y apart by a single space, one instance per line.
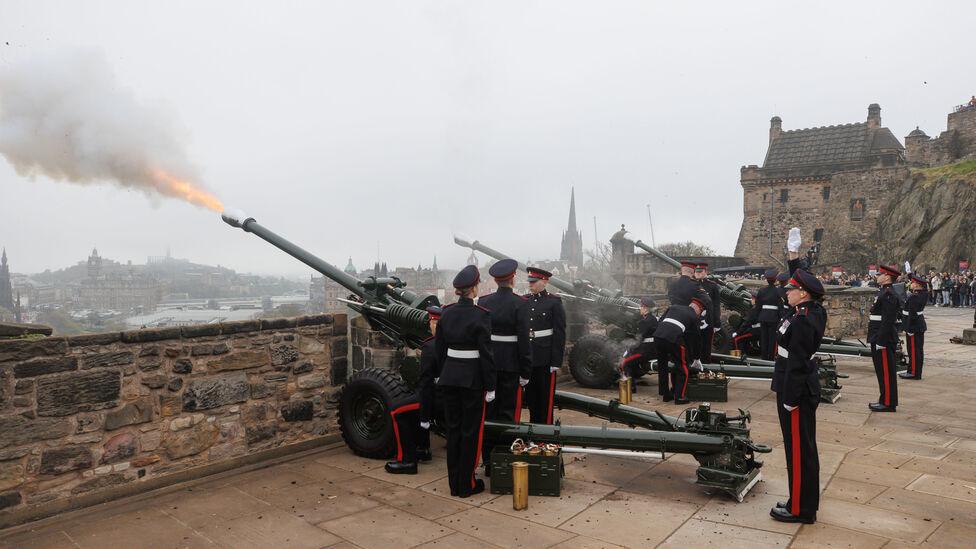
481 362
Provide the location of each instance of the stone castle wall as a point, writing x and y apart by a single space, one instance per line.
85 415
956 142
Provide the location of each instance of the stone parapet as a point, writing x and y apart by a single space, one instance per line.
88 414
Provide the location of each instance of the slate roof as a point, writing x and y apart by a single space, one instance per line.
829 145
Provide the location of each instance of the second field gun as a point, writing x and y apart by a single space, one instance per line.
720 444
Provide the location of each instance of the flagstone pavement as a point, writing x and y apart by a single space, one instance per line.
889 480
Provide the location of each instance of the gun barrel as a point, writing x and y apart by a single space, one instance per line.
237 218
659 254
559 283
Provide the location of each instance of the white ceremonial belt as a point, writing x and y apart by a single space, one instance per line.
782 352
506 339
904 312
773 307
874 317
876 346
756 325
675 322
648 340
542 333
463 353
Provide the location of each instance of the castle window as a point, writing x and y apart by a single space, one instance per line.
817 235
826 193
784 195
857 209
765 197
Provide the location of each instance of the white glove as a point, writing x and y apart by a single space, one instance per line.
697 365
435 379
715 329
793 241
523 382
789 408
425 424
908 268
489 396
734 334
553 369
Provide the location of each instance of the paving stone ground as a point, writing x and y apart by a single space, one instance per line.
888 480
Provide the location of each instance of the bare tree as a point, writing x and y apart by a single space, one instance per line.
597 266
686 249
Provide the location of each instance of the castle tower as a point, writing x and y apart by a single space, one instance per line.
6 291
572 245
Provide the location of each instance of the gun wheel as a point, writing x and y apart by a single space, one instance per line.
364 411
594 360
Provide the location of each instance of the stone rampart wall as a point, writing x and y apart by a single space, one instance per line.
86 414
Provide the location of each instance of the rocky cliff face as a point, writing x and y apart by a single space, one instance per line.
931 218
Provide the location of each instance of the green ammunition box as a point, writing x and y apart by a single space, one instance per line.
708 390
545 472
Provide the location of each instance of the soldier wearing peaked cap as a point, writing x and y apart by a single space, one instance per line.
510 345
466 380
644 350
712 322
883 337
797 386
677 339
413 416
915 327
769 310
685 287
547 330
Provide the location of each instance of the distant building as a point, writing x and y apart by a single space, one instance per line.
6 290
122 290
571 250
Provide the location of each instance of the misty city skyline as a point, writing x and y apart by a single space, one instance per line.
346 126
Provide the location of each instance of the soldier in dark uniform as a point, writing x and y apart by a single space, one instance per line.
644 350
466 381
782 279
769 308
883 337
915 327
797 386
412 418
747 331
510 346
677 340
547 330
713 318
683 288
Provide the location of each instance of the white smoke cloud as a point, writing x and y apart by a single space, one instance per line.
65 116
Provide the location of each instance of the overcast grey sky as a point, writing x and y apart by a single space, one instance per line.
343 125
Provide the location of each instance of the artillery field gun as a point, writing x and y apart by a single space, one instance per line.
720 444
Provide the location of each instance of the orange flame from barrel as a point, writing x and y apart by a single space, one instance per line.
171 185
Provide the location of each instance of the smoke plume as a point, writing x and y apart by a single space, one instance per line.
66 117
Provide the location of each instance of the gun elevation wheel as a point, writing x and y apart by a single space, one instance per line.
364 411
594 360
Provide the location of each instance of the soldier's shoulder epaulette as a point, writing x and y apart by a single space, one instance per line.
482 308
554 296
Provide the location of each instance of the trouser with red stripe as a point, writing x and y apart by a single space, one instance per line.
741 341
539 395
915 344
885 368
672 353
767 340
799 428
407 431
707 337
508 396
464 415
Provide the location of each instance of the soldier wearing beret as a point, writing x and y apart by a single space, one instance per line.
510 346
769 310
883 337
547 331
712 322
466 381
677 340
915 327
797 386
644 350
413 416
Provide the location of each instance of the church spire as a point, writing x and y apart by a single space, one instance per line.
572 245
571 227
